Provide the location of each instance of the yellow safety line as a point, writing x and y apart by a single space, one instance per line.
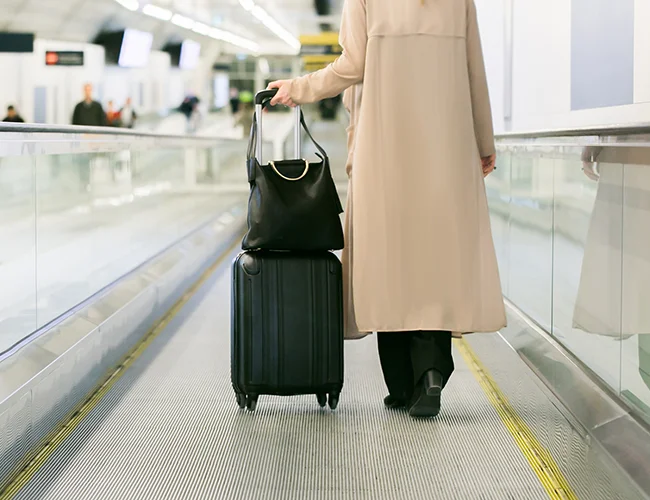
538 457
32 468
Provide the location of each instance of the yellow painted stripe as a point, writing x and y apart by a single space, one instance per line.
538 457
26 475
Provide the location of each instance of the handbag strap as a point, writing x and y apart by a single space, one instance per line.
252 138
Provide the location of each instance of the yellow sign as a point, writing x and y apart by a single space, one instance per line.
318 51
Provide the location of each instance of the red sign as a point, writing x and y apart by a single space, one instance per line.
64 58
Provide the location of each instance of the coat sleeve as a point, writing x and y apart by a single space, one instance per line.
483 127
348 69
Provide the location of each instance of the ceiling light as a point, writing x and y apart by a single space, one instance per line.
268 21
233 39
275 27
198 27
129 4
201 29
182 21
247 4
157 12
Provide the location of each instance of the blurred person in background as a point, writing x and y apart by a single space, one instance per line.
245 117
190 108
113 116
89 112
13 116
234 100
128 114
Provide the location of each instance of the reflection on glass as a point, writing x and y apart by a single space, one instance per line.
498 193
530 235
17 249
587 263
158 166
227 164
635 324
576 227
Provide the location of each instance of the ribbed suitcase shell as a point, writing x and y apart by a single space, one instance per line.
287 324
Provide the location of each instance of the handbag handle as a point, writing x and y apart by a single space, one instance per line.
292 179
252 138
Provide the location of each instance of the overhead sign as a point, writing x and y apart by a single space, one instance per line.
64 58
16 42
317 51
320 50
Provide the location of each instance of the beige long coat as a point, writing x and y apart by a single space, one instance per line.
422 257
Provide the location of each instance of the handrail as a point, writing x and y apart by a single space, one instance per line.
609 130
112 131
109 139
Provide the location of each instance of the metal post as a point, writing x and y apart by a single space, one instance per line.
258 140
297 135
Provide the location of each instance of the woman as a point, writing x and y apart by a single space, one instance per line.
424 263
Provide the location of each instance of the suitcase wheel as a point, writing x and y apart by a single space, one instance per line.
322 399
251 402
333 400
241 400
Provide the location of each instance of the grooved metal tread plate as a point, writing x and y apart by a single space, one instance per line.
170 429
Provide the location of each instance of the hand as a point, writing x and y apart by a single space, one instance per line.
488 163
282 97
591 170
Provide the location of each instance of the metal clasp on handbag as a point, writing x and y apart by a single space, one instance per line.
272 163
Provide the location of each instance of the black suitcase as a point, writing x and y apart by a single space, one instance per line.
287 326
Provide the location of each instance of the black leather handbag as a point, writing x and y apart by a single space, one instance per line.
293 204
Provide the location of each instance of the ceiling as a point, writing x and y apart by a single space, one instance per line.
81 20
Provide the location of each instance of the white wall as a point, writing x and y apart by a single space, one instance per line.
541 80
491 24
541 63
147 87
14 67
642 53
542 69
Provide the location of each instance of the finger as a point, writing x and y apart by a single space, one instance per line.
274 85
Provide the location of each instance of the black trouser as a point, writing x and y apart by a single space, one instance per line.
406 356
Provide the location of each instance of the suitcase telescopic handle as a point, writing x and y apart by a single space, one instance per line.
264 95
261 98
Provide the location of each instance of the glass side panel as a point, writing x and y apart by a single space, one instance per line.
80 209
100 215
17 249
573 241
635 323
588 217
498 192
530 246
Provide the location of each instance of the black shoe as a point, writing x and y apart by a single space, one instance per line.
426 400
393 402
